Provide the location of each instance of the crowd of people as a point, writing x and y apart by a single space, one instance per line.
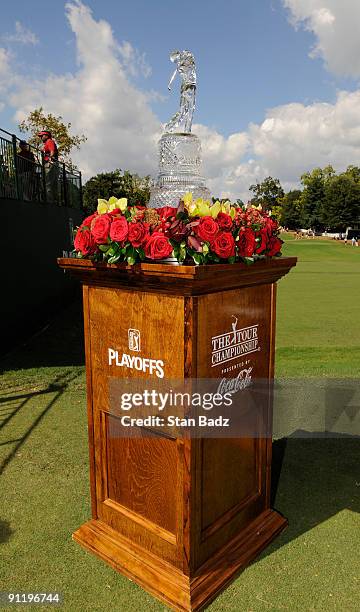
309 233
29 168
299 234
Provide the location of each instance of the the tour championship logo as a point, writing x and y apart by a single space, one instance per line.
234 343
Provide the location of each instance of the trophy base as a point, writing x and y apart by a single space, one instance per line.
165 196
179 170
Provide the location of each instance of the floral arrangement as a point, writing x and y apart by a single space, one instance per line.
194 231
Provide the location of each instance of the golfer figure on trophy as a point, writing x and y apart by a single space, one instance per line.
179 149
185 66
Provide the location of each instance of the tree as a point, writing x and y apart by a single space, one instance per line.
313 195
119 184
37 121
292 212
267 193
353 172
341 208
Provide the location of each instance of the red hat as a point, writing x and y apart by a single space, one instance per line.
44 133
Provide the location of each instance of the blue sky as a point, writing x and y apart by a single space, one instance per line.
254 62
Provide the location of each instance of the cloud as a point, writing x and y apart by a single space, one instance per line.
6 76
335 25
22 35
294 138
134 61
99 99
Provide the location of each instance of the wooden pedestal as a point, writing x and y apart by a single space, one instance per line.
179 516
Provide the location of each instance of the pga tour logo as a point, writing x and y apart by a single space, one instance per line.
134 339
235 343
135 362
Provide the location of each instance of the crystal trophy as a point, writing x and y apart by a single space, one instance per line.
179 149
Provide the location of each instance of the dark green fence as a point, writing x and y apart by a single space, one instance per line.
36 180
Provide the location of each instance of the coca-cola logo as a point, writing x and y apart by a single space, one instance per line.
239 383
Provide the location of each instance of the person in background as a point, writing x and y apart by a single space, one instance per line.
3 177
50 155
26 170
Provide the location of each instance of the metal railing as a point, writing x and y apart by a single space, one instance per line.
33 179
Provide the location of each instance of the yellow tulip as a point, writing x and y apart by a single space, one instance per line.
215 209
192 209
113 206
122 204
203 207
102 207
187 198
225 207
232 213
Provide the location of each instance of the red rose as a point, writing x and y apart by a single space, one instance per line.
157 246
84 242
115 212
246 243
119 229
224 221
270 225
274 246
166 212
138 233
207 229
263 242
87 221
224 245
100 227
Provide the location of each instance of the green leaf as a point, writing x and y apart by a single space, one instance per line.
232 260
114 259
131 261
182 254
197 257
130 252
141 253
248 260
104 248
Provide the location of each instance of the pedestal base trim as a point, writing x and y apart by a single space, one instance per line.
168 583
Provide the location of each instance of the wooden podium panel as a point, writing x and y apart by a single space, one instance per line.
179 515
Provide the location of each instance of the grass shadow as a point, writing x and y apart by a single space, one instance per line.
5 531
21 400
315 476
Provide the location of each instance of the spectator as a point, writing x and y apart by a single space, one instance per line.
50 155
26 170
7 189
2 176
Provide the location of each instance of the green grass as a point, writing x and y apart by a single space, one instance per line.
44 490
318 317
